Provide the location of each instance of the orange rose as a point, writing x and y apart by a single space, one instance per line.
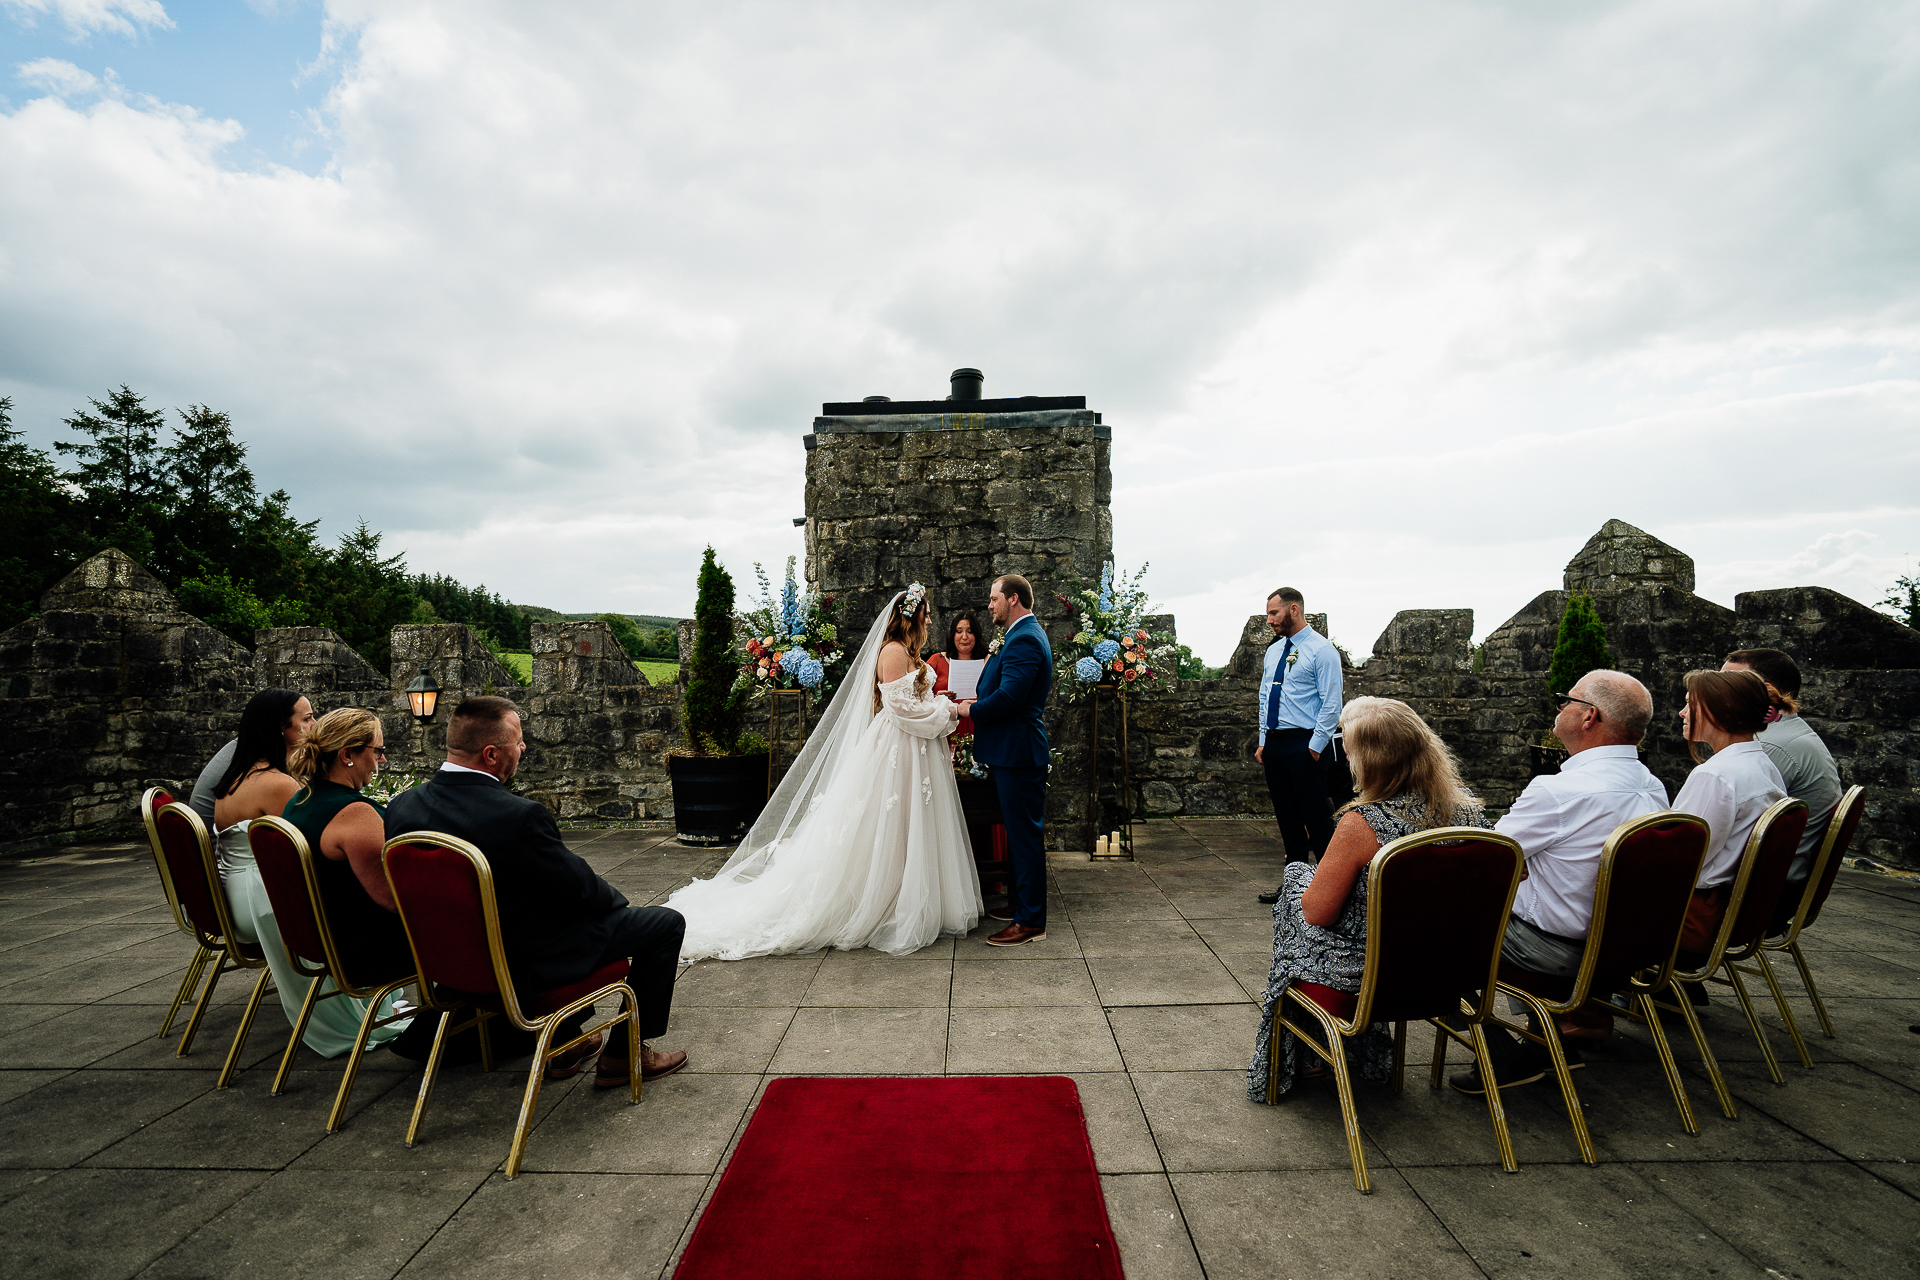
1132 674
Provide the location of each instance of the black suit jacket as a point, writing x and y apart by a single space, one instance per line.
555 910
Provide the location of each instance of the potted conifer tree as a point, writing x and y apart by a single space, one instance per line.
719 774
1580 647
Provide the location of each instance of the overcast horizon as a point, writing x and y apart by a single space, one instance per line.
1396 304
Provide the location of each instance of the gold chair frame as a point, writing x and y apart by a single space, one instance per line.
1334 1030
331 968
1717 958
218 949
1547 1012
543 1026
1789 941
190 980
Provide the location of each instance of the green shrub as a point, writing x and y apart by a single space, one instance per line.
228 607
1581 646
714 702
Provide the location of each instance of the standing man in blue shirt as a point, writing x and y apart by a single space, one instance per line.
1299 708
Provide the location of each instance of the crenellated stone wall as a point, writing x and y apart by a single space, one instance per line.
1861 671
112 688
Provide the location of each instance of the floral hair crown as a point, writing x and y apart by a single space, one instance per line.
916 594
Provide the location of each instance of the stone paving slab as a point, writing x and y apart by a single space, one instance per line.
119 1158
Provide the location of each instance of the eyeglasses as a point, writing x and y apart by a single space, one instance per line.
1560 701
379 751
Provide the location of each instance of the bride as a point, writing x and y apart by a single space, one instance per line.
863 844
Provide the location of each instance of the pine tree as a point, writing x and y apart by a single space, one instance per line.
211 498
712 709
1581 645
1903 600
363 595
36 517
118 473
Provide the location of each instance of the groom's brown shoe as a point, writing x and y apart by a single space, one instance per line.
1000 913
1015 934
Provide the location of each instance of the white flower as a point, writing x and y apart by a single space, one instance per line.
892 801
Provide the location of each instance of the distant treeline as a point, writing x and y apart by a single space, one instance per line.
187 508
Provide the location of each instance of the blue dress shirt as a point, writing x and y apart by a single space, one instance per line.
1309 688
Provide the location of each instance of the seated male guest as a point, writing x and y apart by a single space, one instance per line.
1561 822
559 920
1806 766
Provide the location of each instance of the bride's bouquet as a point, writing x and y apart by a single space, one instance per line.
792 642
1112 645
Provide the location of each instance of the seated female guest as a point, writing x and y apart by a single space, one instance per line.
1407 781
966 642
1738 783
346 830
255 783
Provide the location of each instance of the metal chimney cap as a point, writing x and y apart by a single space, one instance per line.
966 384
876 400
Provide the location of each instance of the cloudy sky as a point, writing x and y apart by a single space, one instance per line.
1394 302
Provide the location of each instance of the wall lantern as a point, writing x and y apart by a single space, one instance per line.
423 694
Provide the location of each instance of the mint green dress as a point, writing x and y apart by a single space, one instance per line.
335 1022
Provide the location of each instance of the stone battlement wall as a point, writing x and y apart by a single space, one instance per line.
1194 752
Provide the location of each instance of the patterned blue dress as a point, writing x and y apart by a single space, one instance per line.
1334 956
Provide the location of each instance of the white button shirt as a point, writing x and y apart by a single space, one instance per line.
1561 821
1731 790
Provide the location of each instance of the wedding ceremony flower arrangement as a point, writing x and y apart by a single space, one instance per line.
1112 645
792 642
964 765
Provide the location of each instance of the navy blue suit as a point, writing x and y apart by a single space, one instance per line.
1010 737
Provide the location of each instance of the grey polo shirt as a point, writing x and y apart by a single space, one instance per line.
1807 768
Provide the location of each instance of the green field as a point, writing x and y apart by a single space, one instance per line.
521 664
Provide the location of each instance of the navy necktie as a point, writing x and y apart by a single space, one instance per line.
1279 678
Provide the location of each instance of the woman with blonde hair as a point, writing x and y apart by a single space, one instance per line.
1407 781
346 830
864 843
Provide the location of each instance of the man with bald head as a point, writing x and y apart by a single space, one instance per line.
1561 821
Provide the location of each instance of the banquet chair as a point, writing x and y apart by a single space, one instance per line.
155 799
444 890
1841 826
285 862
1647 871
1755 893
188 853
1437 904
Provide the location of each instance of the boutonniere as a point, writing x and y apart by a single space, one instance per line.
1293 657
993 645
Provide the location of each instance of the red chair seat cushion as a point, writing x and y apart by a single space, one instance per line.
1340 1004
548 1001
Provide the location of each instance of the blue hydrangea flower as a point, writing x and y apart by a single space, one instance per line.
1107 650
808 671
1087 670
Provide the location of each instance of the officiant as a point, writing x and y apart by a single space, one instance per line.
957 670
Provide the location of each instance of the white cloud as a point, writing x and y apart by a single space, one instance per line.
1394 302
59 78
91 17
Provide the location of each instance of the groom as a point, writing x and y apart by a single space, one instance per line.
1010 736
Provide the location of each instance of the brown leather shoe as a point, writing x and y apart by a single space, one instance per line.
613 1074
1015 934
1001 913
567 1065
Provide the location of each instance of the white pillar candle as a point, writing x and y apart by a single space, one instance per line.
1100 847
1116 844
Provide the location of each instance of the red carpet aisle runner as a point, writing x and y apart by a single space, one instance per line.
885 1179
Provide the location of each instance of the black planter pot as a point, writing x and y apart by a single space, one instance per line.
716 798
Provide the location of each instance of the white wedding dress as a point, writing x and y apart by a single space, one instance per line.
863 844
